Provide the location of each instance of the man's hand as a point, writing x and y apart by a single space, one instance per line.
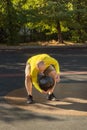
57 78
49 90
44 92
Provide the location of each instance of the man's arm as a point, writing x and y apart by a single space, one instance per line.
36 85
56 64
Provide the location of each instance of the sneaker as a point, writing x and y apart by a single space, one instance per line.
51 97
29 99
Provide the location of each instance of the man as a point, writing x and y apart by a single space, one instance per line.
41 64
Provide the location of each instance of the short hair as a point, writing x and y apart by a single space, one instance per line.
40 63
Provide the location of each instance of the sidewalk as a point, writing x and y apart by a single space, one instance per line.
21 47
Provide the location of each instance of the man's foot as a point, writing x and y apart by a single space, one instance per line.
51 97
29 99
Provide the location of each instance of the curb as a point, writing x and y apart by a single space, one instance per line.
38 47
65 50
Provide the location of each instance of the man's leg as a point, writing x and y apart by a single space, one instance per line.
51 96
28 84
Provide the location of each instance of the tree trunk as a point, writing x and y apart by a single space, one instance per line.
78 19
9 21
11 25
60 39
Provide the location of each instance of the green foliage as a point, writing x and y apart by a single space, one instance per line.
43 16
78 22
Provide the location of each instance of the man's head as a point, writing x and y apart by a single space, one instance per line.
49 71
41 66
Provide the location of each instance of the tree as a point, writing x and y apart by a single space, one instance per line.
49 14
78 22
13 18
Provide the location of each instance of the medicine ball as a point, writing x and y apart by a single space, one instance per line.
46 82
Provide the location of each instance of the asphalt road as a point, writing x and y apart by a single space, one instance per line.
68 114
12 65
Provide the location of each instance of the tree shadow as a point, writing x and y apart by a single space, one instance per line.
74 106
70 106
10 114
71 96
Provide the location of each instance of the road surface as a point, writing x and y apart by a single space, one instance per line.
69 113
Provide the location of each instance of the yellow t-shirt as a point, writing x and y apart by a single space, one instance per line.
48 60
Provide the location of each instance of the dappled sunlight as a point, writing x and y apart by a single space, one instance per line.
71 91
11 113
69 103
14 67
74 77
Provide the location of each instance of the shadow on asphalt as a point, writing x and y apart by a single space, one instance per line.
71 106
10 114
70 98
14 63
